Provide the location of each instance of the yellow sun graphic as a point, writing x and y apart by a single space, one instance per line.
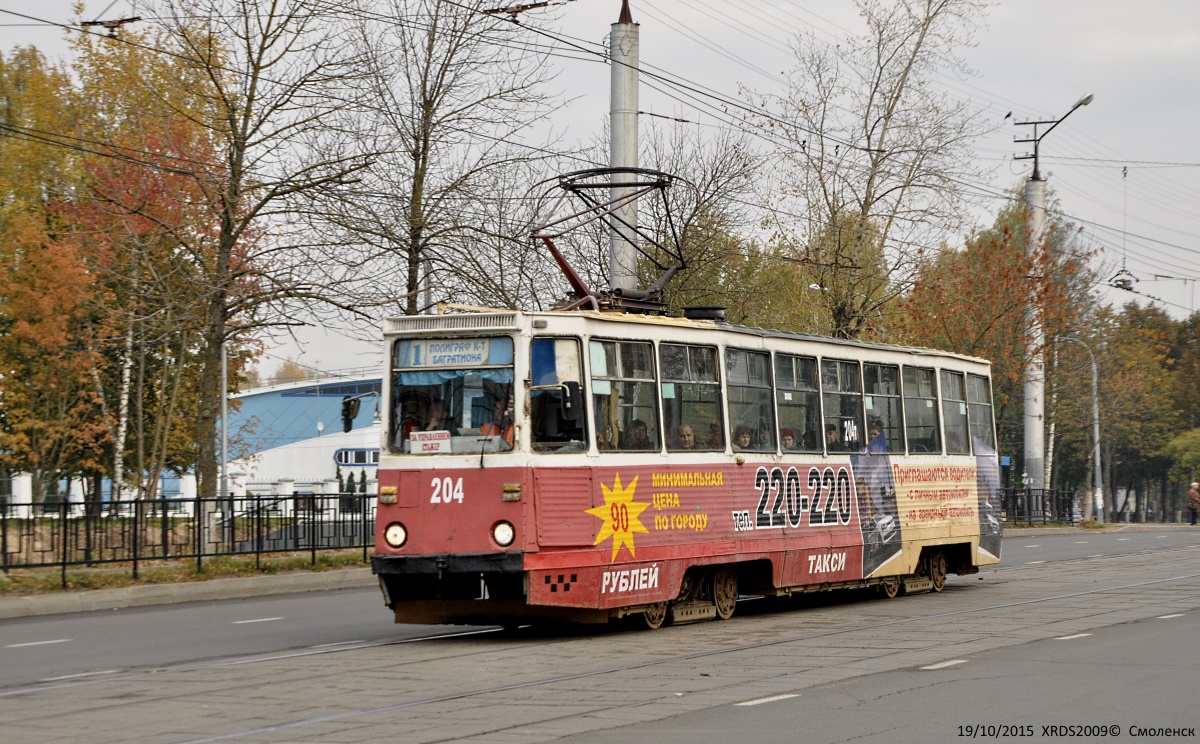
619 516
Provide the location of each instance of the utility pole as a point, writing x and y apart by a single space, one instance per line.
623 147
1035 372
224 421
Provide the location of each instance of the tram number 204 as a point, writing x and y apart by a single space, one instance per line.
825 497
446 491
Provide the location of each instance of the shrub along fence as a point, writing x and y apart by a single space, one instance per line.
63 535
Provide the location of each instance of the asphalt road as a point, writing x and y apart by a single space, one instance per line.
1123 678
50 648
96 643
332 667
1031 549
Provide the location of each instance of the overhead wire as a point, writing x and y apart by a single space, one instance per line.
692 92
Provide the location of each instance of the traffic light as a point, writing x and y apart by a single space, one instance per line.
349 412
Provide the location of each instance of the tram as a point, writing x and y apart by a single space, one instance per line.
588 465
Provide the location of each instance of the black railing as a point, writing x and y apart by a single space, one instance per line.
1040 506
63 535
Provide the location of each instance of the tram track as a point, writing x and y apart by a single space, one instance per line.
135 698
541 641
926 618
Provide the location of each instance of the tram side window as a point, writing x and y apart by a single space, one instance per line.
557 421
921 411
842 391
691 397
624 401
799 399
885 417
954 414
979 412
751 410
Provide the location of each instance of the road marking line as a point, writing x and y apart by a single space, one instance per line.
1168 617
77 676
1030 563
1097 555
944 664
258 620
760 701
339 643
1160 537
1072 637
1122 538
1033 546
1081 542
38 643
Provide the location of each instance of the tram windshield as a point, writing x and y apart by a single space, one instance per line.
452 396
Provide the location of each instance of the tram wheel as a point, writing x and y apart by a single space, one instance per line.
725 591
937 570
655 615
890 587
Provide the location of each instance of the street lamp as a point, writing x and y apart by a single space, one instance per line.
1098 498
1036 139
1035 378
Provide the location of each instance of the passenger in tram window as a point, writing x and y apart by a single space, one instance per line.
639 439
766 441
687 437
787 439
831 437
715 441
741 438
600 443
809 440
874 428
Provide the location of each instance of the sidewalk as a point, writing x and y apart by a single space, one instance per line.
315 581
191 591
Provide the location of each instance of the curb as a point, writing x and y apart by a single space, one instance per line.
294 582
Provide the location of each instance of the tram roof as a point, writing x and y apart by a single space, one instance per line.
722 326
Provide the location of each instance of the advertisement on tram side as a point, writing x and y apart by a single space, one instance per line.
833 521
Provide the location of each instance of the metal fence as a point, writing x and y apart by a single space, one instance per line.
67 535
1040 506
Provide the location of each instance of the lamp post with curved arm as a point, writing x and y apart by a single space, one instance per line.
1035 376
1098 498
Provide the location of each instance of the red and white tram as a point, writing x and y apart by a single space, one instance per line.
583 466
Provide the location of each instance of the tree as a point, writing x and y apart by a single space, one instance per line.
1136 407
292 371
36 101
975 302
452 87
271 77
50 423
873 153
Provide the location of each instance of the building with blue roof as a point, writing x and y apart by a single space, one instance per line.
293 431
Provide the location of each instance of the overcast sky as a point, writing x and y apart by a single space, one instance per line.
1035 58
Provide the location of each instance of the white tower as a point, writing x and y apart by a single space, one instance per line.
623 146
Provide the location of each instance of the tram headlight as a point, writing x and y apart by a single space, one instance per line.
395 535
503 533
